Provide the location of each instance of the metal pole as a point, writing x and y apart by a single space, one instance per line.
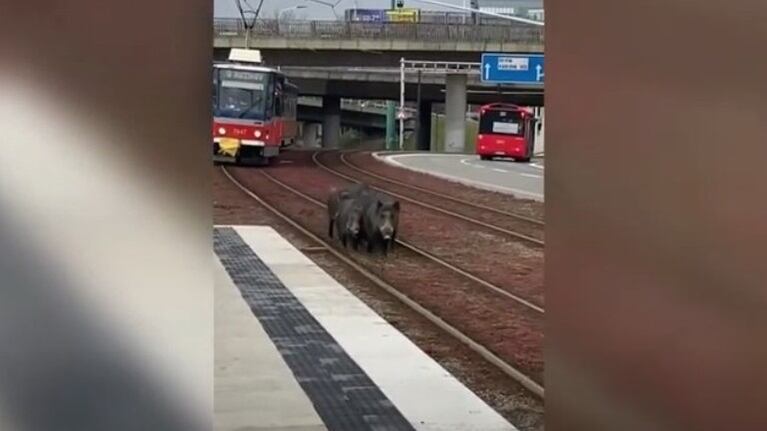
401 103
390 125
418 113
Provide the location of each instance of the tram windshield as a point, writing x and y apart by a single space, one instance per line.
495 122
240 94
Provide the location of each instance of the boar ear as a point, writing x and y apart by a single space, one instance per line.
396 205
379 204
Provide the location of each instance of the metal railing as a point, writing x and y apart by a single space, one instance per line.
428 32
374 106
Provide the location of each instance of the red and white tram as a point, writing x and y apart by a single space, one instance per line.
254 110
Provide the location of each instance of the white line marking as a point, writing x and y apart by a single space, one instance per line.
466 162
532 175
500 170
536 165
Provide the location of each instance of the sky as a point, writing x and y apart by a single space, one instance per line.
227 8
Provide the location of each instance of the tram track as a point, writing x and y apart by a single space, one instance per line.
533 229
514 372
421 252
453 199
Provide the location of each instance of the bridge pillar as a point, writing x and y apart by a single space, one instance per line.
331 122
309 135
423 138
455 114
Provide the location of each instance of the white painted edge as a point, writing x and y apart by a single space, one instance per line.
429 396
389 159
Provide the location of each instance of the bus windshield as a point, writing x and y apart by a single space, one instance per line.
493 122
241 94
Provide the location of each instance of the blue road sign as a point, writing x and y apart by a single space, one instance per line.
512 68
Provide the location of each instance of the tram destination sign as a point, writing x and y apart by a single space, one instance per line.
242 75
512 68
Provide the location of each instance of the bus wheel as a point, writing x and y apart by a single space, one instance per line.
524 160
486 157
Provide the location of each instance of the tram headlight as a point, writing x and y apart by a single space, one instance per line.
221 131
257 133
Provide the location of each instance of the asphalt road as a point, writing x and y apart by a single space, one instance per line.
524 180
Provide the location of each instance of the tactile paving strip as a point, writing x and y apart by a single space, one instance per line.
343 395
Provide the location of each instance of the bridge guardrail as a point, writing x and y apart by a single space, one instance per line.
430 32
377 107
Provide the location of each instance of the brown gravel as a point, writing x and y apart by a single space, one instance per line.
231 206
512 265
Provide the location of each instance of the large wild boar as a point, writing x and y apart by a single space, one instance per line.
334 201
349 221
381 220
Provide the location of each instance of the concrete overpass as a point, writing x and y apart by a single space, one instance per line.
384 84
455 88
340 43
371 119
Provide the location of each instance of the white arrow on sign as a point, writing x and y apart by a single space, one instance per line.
487 71
539 72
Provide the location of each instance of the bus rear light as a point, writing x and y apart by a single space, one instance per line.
257 133
221 131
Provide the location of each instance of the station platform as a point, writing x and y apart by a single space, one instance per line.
295 350
523 180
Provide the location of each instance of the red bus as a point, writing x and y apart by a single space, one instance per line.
506 130
254 113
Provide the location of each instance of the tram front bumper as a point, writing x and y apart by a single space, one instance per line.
229 150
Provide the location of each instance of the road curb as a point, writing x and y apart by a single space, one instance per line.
382 157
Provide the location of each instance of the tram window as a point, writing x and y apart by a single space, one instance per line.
277 105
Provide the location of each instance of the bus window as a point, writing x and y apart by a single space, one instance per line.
494 122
